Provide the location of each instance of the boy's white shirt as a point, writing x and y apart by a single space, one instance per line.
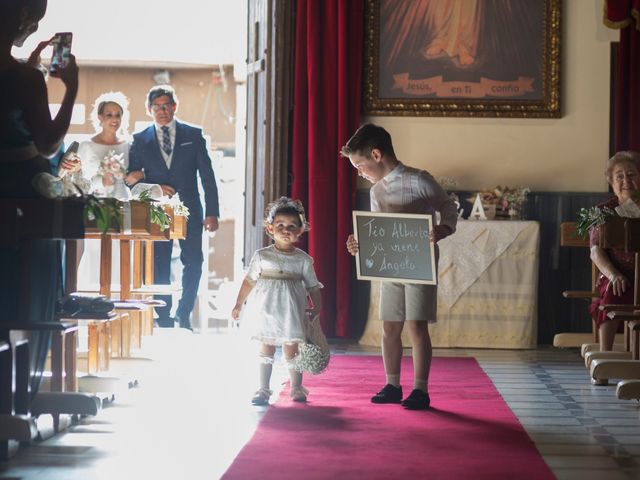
402 188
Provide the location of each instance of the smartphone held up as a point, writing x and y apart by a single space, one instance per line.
61 43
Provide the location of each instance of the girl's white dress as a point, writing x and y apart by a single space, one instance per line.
274 312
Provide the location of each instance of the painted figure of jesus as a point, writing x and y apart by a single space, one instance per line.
455 29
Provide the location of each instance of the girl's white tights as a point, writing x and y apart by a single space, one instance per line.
266 367
296 378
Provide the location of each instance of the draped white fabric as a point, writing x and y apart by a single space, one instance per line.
465 255
498 308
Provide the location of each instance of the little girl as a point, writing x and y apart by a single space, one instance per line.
276 287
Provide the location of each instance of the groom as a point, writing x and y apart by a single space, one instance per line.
171 154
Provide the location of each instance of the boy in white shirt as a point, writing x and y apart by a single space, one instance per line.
401 189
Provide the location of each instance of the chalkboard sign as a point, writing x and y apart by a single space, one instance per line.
394 247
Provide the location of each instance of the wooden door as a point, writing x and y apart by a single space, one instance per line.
269 70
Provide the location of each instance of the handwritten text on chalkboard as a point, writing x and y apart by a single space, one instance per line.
394 247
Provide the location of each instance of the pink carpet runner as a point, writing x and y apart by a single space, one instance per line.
469 433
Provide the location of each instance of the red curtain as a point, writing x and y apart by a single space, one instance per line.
625 15
326 111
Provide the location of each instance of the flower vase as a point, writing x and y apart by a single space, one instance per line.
516 212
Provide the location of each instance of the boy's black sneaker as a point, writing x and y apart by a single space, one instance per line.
417 400
388 394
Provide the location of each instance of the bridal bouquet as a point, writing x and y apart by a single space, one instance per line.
112 165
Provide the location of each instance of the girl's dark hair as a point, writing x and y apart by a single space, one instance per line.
286 206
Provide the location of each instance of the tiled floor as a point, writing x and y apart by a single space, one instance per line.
190 416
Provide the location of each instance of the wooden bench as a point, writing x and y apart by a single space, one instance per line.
16 423
569 238
619 232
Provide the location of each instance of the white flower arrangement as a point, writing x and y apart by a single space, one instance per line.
179 208
592 217
311 359
514 197
503 197
314 354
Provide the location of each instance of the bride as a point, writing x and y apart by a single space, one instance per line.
110 119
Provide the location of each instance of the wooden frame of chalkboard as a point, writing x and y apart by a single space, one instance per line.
394 247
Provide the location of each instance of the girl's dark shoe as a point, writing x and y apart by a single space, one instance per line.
388 394
417 400
261 397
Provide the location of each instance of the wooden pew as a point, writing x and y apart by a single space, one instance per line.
25 220
619 232
16 423
134 302
569 238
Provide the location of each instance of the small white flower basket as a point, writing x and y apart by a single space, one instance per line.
314 355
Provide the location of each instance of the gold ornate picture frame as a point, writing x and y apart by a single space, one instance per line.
463 58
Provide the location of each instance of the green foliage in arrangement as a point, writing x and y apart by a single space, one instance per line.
156 212
104 211
591 217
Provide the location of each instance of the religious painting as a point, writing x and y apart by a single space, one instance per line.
471 58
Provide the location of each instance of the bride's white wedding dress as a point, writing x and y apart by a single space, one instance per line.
91 154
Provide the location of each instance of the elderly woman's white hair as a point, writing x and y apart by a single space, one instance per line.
626 156
119 99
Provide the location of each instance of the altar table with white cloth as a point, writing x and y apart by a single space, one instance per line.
487 288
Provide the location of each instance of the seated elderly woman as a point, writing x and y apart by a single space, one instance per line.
615 282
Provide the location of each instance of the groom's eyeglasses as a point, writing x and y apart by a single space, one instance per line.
163 106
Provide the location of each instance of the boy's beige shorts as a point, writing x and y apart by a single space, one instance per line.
408 301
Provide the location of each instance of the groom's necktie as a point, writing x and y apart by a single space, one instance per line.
166 140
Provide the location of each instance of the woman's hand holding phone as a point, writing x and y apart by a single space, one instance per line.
34 59
63 62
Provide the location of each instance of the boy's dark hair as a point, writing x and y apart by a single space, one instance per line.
366 138
159 91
